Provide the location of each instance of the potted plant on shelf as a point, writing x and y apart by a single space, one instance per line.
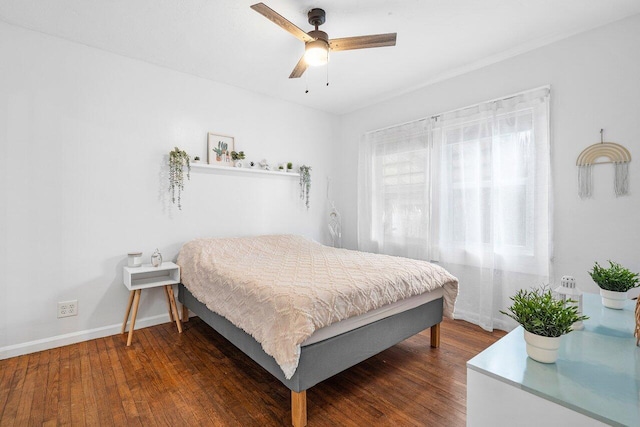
178 159
237 157
614 282
289 167
544 319
305 183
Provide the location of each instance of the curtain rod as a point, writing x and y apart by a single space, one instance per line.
503 98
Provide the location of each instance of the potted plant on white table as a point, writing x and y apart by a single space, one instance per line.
544 319
614 282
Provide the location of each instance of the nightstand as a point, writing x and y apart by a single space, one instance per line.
147 276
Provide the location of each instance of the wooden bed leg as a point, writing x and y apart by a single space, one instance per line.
435 336
185 313
299 408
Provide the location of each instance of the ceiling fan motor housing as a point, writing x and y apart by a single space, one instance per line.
319 35
316 17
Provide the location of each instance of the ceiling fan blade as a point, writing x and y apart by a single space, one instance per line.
281 21
299 69
363 42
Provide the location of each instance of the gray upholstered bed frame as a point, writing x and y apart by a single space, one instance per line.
326 358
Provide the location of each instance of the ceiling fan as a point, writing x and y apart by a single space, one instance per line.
317 43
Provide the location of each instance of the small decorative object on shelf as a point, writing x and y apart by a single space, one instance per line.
544 319
237 156
289 167
568 293
178 159
614 282
156 258
196 159
281 168
219 149
238 164
252 164
264 164
305 183
134 259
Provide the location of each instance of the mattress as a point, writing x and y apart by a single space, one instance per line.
282 289
383 312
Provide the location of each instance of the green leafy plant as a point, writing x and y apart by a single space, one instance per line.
615 278
541 314
289 166
178 159
305 183
237 155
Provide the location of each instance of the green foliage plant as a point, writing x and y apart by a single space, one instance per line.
178 159
237 155
289 166
615 278
541 314
305 183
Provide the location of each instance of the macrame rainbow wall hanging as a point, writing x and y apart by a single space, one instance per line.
613 153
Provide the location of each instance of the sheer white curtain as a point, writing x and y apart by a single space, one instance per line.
470 190
394 192
493 196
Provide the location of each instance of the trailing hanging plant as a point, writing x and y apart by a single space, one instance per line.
615 278
305 183
539 313
178 159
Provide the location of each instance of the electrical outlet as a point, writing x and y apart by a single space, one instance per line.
68 308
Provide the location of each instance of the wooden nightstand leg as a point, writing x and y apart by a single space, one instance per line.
166 294
185 313
126 315
136 302
174 309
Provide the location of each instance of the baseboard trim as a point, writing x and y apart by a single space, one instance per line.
76 337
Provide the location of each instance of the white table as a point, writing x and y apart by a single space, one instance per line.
147 276
595 382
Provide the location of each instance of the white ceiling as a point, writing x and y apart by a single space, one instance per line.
226 41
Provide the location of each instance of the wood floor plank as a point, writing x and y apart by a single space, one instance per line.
199 378
16 384
28 391
52 395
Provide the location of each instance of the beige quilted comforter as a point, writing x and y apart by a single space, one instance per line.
280 289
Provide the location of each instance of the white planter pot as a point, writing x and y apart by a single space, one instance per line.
542 349
612 299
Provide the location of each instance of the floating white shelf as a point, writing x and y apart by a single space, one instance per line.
242 170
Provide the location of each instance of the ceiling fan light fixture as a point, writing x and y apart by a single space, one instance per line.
316 53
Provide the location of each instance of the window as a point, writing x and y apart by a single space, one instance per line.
488 171
394 209
469 189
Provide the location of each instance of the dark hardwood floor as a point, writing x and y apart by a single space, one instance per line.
198 378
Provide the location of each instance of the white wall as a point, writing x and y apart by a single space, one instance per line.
595 79
84 138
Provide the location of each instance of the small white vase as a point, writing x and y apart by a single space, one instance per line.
542 349
613 299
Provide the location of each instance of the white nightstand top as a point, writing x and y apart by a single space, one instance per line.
148 276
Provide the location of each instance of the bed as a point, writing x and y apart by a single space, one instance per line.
304 311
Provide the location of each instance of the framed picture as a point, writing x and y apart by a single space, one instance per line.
219 148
